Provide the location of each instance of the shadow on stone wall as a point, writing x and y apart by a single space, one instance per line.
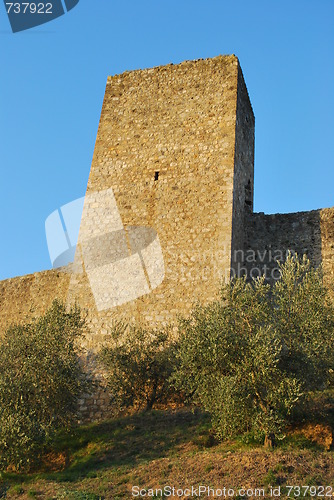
269 238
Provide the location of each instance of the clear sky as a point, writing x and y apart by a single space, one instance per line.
53 80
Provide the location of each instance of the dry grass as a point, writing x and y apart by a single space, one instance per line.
167 448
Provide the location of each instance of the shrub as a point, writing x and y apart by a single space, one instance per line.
251 358
303 316
139 363
40 381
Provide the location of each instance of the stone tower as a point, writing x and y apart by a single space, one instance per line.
175 153
168 212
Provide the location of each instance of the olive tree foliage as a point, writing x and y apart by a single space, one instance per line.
138 363
253 356
41 379
304 318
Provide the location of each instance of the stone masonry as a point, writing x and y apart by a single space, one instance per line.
168 213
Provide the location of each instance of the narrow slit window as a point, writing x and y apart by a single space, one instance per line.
248 197
156 176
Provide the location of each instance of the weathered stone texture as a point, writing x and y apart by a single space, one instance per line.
26 297
310 233
243 187
183 122
327 247
174 154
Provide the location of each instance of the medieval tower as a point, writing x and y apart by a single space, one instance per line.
168 212
175 148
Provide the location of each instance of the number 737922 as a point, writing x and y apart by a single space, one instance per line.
29 8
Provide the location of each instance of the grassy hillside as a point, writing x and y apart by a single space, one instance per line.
172 448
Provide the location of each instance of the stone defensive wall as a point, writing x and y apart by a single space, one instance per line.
267 238
25 297
270 237
168 212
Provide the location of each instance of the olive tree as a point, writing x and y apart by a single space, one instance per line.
41 379
138 362
252 357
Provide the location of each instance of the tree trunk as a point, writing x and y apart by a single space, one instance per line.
151 398
269 441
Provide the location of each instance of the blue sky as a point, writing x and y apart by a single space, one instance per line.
53 79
